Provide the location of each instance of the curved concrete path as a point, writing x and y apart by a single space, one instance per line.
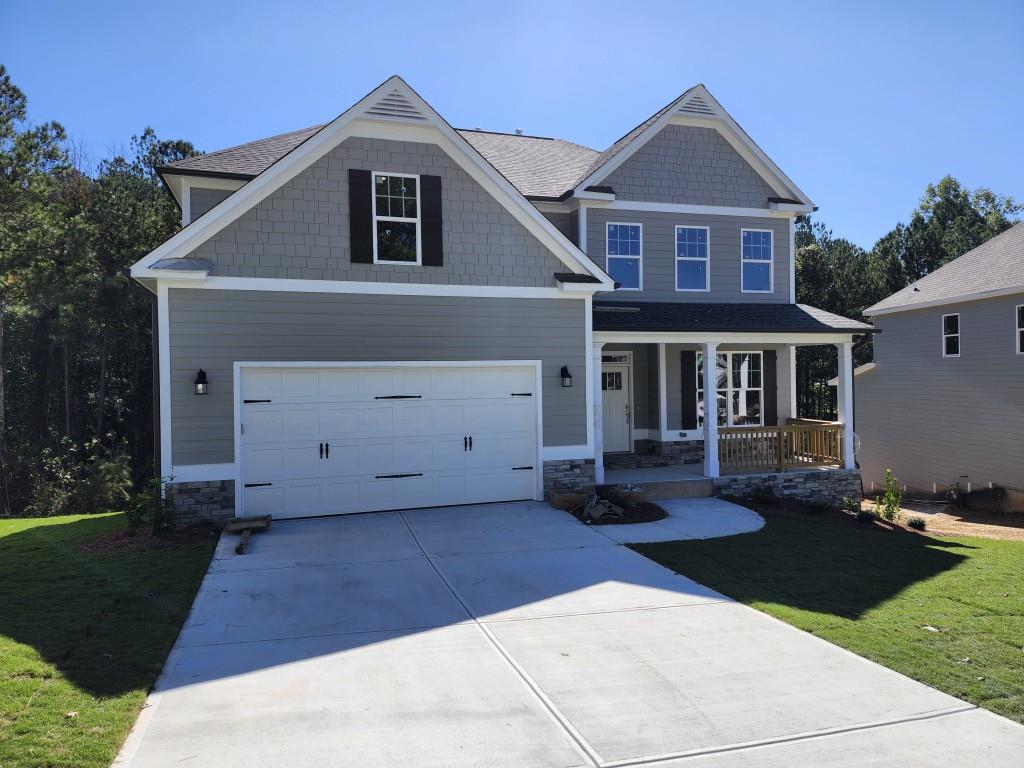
511 636
688 519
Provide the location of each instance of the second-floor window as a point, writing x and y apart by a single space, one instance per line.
692 272
396 219
756 260
951 335
625 254
1020 329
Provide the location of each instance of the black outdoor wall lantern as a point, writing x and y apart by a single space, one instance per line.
201 385
566 376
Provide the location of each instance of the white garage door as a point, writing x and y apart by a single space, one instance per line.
327 441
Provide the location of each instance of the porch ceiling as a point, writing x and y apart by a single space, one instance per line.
684 317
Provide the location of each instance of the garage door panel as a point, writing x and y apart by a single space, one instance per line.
371 431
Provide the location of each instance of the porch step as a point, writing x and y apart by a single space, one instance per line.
657 490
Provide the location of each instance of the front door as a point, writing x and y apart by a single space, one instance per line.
616 400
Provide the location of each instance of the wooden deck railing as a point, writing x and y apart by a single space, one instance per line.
767 449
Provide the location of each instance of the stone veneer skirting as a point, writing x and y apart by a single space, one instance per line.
568 475
828 485
677 452
204 500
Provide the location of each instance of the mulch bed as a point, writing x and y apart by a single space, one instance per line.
142 540
644 512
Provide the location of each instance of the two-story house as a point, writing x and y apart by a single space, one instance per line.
943 402
384 312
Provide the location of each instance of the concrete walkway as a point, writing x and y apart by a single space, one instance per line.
511 635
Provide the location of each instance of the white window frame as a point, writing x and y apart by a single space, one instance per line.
770 262
959 341
401 219
1018 321
639 257
706 259
729 388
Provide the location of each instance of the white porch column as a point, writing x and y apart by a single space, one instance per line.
844 397
598 415
662 394
710 351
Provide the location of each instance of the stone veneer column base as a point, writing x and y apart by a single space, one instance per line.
568 475
827 485
212 500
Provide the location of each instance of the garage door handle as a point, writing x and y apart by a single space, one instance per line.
471 442
327 450
321 450
465 443
405 474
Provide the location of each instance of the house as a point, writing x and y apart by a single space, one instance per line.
943 402
385 312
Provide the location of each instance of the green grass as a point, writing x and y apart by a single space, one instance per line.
872 591
82 633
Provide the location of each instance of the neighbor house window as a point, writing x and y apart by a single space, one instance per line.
739 389
951 335
756 260
692 272
1020 329
396 219
625 253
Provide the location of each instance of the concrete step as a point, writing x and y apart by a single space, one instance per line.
697 488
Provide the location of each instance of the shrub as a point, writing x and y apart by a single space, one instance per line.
892 500
917 523
866 516
849 505
154 505
764 494
74 480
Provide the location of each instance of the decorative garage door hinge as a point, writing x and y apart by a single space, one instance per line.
398 397
404 474
522 394
257 401
257 485
516 469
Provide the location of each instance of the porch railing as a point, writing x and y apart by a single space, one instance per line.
798 445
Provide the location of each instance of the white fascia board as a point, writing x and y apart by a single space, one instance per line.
208 182
548 206
994 294
597 197
292 285
702 210
178 275
587 288
791 207
733 337
432 129
732 133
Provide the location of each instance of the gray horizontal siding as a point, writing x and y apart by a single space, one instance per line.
302 229
687 164
202 200
214 329
659 276
933 419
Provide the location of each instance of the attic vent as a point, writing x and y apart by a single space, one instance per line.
395 104
696 105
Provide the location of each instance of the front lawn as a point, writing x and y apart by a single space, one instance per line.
948 612
82 636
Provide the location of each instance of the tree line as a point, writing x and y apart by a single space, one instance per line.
76 377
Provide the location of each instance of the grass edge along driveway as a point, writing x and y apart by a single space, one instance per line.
83 636
948 612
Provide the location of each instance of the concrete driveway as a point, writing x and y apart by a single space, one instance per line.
510 635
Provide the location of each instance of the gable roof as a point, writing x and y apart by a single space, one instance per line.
994 268
393 108
539 167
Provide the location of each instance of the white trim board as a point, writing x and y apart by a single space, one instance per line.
701 337
365 118
700 210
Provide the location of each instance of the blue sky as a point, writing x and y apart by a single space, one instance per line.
861 103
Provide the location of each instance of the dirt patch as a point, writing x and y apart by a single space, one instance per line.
950 521
144 539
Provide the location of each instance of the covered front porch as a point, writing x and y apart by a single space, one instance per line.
649 407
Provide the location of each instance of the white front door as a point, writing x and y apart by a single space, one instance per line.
617 401
327 441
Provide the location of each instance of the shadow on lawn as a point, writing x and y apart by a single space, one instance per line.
105 621
837 567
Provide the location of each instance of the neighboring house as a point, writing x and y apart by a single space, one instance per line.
385 312
943 401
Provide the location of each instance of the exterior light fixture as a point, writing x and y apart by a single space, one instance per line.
201 384
566 377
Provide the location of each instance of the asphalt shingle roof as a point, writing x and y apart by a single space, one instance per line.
249 159
770 318
997 264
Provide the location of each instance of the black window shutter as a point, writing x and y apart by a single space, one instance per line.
360 216
430 221
688 368
771 388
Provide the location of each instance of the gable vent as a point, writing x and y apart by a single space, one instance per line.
696 105
395 104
